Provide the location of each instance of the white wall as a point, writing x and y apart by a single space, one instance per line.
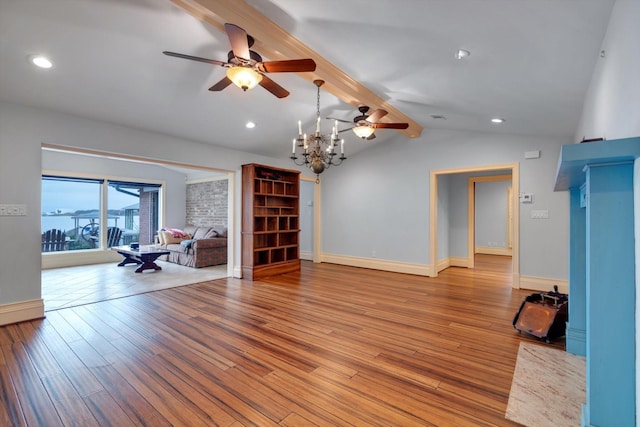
379 200
612 104
491 213
612 109
444 199
23 130
307 189
458 215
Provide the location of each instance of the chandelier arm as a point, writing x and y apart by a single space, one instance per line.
319 150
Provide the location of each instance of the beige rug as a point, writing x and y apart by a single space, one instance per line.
548 387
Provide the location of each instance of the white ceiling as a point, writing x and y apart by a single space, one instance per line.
531 63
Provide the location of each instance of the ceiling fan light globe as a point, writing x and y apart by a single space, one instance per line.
363 131
244 77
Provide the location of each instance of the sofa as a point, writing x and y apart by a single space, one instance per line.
194 246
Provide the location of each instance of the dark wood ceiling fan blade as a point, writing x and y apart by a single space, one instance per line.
376 115
195 58
273 87
389 125
288 66
344 130
340 120
239 41
221 85
370 137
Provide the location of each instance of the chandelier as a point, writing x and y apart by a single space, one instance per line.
318 150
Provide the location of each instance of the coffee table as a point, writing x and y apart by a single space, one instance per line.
144 256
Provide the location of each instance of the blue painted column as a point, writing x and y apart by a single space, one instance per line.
610 295
576 335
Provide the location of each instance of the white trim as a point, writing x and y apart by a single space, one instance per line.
377 264
306 255
231 223
543 284
206 179
237 272
458 262
317 210
127 157
442 264
21 311
70 174
487 250
452 262
75 258
471 212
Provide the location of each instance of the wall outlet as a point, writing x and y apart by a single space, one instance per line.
540 214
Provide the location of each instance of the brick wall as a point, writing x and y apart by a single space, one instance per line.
148 217
207 203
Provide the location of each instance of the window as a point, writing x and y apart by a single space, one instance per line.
74 217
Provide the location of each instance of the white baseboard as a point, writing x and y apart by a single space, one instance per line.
458 262
74 258
21 311
543 284
452 262
306 255
237 272
493 250
377 264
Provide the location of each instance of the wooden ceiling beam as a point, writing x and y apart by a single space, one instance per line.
269 35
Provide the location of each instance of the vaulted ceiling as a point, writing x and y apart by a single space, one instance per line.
531 63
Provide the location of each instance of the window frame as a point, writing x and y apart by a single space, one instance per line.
104 181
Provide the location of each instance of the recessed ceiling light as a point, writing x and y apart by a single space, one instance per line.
41 61
461 54
497 120
250 125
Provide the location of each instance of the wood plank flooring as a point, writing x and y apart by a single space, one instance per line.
329 346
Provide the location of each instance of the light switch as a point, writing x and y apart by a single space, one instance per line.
526 198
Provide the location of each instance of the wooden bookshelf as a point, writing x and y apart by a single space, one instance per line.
270 221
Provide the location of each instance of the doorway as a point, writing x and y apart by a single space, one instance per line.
489 216
97 257
437 261
309 219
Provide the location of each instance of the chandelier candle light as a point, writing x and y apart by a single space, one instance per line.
318 150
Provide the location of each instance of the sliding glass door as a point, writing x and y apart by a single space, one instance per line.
92 213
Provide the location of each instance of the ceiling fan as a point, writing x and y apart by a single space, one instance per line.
365 124
245 67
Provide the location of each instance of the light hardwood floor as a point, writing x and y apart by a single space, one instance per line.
330 346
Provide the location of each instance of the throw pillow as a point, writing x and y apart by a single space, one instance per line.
161 237
175 232
211 234
186 243
169 239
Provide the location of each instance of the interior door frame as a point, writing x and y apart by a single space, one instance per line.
433 213
316 216
471 214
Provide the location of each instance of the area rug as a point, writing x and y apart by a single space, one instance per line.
548 387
